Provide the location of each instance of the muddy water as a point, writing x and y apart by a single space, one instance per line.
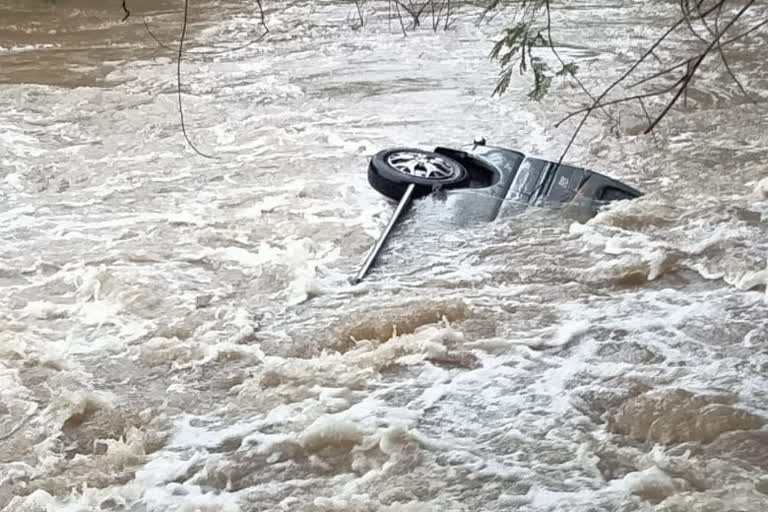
178 333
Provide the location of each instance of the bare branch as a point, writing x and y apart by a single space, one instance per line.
215 52
648 118
562 63
359 6
687 15
178 81
661 73
697 63
399 16
682 82
623 99
746 33
725 60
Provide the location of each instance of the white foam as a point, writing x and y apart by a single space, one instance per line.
752 279
761 189
328 431
651 483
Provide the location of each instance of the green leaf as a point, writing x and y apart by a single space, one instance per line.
510 42
502 83
542 79
569 69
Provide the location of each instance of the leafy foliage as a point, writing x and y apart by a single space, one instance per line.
516 50
505 49
542 79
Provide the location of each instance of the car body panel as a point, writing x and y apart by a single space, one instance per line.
506 181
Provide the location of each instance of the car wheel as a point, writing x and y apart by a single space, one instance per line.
392 170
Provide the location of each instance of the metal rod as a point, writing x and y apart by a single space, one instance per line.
385 234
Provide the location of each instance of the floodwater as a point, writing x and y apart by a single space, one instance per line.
178 333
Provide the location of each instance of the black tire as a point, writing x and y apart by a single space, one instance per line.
392 181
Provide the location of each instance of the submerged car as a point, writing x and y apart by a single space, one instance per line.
482 183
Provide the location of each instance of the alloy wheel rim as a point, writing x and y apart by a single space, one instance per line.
420 165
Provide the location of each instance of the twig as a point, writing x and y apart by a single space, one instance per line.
725 60
745 33
562 63
126 11
686 12
648 118
624 99
599 101
695 65
262 16
358 4
400 17
435 19
209 53
413 10
681 84
178 81
660 73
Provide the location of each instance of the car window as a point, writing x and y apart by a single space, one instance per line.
615 194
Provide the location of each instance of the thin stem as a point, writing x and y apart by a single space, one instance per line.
178 81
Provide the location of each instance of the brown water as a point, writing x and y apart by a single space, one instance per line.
178 333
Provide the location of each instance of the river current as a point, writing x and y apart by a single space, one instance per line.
178 333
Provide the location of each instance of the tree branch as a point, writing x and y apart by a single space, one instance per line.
697 63
178 82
